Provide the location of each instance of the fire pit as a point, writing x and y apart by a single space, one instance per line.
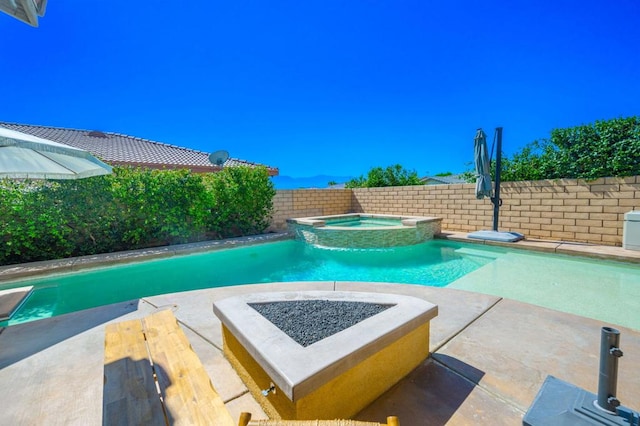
323 354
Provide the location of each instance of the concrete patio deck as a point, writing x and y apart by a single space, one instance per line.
489 358
490 355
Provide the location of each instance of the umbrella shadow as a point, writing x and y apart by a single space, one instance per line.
131 394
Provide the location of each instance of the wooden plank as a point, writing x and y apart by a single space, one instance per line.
189 396
129 384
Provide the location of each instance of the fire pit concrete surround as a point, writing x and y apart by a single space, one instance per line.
337 376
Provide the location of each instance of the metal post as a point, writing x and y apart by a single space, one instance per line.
608 378
496 192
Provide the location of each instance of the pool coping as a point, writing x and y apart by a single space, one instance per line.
572 248
72 264
20 271
405 220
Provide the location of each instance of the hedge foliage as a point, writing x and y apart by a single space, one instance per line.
129 209
606 148
394 175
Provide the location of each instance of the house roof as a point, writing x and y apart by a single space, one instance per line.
122 150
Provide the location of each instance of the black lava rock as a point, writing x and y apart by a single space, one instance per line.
309 321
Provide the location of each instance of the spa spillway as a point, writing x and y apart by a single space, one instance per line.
359 230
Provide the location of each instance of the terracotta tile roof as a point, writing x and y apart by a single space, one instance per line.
118 149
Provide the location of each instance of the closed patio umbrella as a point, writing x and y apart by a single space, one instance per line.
24 156
483 186
483 165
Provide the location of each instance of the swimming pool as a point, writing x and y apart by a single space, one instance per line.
609 291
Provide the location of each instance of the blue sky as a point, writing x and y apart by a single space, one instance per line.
325 87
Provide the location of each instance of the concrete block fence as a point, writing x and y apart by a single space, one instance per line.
561 210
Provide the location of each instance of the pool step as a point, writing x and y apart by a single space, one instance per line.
467 251
11 300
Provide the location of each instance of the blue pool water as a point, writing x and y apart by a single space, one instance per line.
364 222
561 282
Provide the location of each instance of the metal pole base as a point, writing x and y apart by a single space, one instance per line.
560 403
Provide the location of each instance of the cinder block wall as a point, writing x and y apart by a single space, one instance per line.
308 202
565 210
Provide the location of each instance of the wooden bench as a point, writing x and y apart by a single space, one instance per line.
152 376
245 420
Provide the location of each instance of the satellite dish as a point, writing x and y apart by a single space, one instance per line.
218 158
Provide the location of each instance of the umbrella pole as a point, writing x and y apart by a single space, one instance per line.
496 197
495 235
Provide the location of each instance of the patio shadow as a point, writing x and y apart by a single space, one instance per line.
21 341
430 395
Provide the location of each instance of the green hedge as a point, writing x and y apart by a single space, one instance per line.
605 148
129 209
394 175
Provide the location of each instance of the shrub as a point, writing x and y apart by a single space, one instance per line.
394 175
131 208
159 206
242 201
31 227
606 148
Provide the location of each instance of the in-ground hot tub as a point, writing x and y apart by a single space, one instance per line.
310 374
360 230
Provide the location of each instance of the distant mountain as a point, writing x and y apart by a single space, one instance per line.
320 181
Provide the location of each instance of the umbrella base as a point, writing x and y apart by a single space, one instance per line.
507 237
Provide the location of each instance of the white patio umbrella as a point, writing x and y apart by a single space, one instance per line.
23 156
24 10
